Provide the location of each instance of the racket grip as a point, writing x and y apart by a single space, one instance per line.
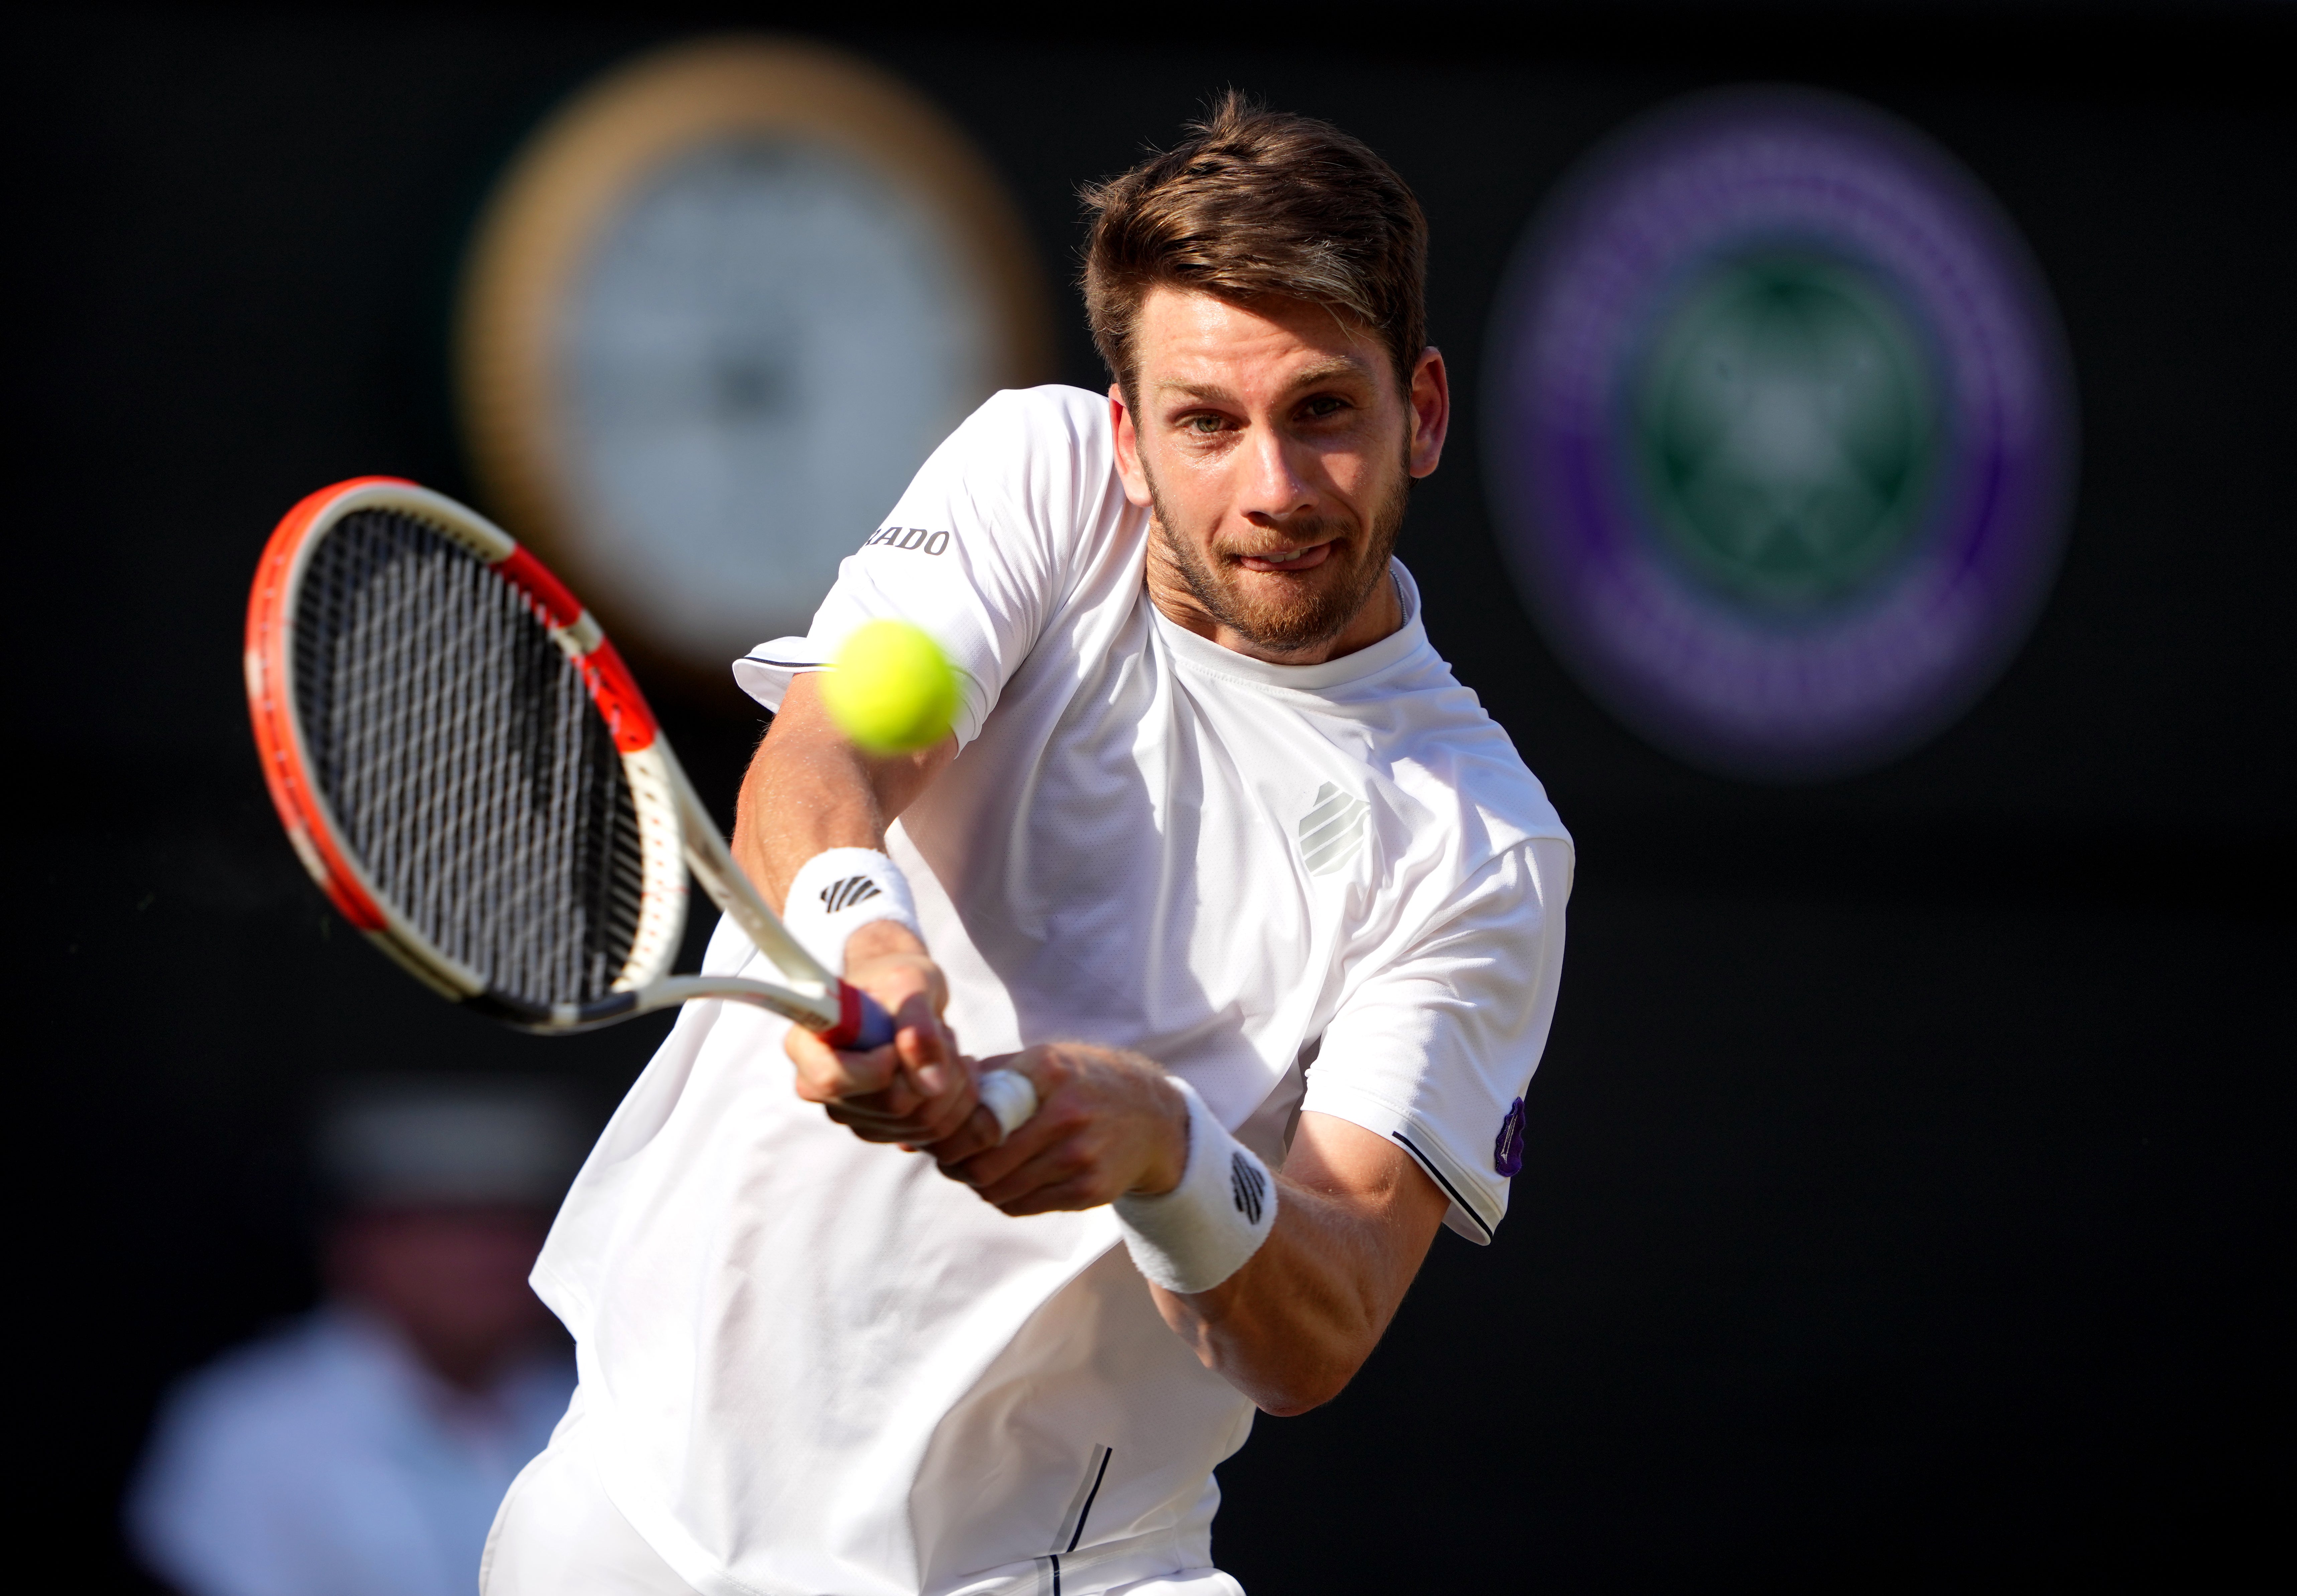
861 1024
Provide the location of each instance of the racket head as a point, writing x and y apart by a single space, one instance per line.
461 759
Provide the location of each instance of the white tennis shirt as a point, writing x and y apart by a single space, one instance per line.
811 1364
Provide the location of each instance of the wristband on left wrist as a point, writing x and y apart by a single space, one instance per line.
1194 1236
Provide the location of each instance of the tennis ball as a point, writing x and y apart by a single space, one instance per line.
892 689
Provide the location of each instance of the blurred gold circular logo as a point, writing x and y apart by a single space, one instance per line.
718 311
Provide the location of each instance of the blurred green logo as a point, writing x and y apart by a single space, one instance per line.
1786 428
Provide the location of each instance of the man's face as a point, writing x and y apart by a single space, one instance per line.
451 1278
1276 452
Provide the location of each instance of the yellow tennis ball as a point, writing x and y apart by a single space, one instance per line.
892 690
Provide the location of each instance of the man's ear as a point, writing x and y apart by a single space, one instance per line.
1128 449
1431 399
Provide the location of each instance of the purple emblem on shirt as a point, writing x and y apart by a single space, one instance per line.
1507 1147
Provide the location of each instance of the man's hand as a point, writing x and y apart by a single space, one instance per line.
915 1091
1107 1124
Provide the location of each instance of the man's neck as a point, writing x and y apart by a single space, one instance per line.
1380 615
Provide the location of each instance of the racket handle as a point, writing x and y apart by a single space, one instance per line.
861 1024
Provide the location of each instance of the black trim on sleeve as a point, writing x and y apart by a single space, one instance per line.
1451 1191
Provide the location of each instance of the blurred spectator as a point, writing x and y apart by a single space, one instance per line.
362 1450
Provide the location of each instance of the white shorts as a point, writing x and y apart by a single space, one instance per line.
558 1534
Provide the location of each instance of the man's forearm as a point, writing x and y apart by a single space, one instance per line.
802 796
809 789
1290 1329
1354 1218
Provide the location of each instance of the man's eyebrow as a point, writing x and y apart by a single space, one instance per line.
1208 391
1323 371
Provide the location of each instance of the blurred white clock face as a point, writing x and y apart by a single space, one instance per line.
767 340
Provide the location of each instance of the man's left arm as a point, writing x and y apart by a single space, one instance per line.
1435 1048
1355 1217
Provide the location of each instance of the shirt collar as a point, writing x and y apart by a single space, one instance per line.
1205 655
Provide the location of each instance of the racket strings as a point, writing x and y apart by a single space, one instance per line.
463 760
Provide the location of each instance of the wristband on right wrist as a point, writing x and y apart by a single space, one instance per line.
1202 1231
837 892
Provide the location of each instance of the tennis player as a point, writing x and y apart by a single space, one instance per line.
1219 855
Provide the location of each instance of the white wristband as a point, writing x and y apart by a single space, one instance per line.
837 892
1201 1232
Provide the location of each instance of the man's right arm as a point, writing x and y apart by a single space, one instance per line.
809 789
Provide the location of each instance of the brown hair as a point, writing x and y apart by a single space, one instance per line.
1255 203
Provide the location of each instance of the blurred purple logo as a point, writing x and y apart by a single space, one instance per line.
1780 432
1507 1147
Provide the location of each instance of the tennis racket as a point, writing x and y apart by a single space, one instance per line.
466 768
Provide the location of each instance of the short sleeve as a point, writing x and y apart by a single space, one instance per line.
980 551
1436 1051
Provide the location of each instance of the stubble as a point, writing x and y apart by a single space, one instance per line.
1317 612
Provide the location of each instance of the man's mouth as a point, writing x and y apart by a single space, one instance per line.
1293 559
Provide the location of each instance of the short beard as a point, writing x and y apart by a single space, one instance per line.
1321 615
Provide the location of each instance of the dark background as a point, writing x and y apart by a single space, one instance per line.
1905 1200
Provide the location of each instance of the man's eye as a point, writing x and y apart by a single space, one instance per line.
1326 404
1204 426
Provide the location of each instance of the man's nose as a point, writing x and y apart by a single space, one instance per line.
1274 489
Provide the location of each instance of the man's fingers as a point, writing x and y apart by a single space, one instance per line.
977 1133
910 1091
914 1062
924 1048
1061 1197
1057 1117
916 1126
916 1091
1059 1145
1062 1165
824 1074
1105 1123
900 1113
945 1115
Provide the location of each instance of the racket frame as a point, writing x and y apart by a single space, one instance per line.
675 833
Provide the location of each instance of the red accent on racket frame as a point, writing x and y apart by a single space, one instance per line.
531 577
613 688
615 691
283 771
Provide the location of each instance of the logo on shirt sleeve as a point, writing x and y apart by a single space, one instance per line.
917 538
1332 831
1507 1147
